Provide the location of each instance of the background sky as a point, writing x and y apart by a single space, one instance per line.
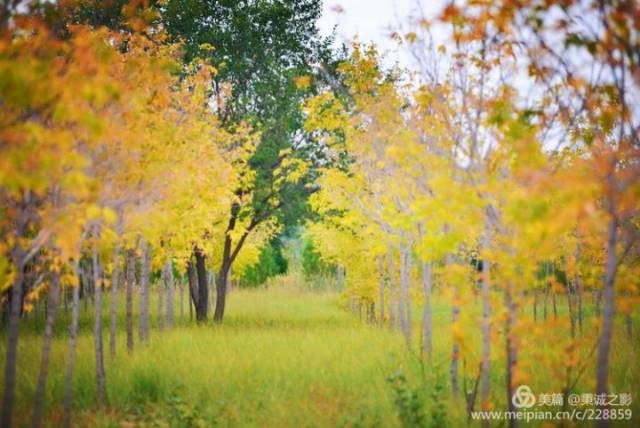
374 21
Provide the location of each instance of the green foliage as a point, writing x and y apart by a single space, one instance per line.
270 264
408 403
312 264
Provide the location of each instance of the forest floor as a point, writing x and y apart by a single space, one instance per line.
283 357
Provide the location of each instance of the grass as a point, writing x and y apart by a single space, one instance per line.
289 358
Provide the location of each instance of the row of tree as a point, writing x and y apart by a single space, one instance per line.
508 167
131 149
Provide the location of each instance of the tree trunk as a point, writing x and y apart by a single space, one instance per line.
455 347
161 307
144 292
181 302
100 375
193 287
602 385
381 288
131 277
405 298
168 277
427 335
115 277
221 292
572 310
54 294
12 345
392 286
68 389
511 350
203 290
485 380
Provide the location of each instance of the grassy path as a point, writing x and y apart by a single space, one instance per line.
282 358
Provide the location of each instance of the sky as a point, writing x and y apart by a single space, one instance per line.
374 21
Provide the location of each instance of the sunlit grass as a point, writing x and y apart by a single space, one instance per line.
289 358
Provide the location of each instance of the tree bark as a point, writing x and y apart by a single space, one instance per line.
181 302
455 347
203 290
392 286
54 294
602 384
404 309
511 350
485 380
68 389
144 292
161 306
168 277
12 344
100 374
131 277
427 335
115 277
381 288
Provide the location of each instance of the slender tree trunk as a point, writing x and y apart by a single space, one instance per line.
68 389
168 276
545 301
131 277
392 286
511 350
602 384
427 335
212 295
100 375
221 292
193 288
54 294
161 306
12 345
181 301
203 290
381 288
402 295
144 292
572 310
485 379
455 347
406 266
114 301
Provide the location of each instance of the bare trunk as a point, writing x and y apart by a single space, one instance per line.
115 277
485 380
392 286
12 347
381 288
193 288
100 375
68 388
511 350
427 335
161 286
602 385
203 291
455 347
168 277
144 292
54 293
181 302
572 310
405 272
131 277
221 292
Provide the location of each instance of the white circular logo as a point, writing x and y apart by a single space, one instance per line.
523 397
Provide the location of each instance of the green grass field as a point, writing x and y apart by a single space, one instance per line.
283 358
